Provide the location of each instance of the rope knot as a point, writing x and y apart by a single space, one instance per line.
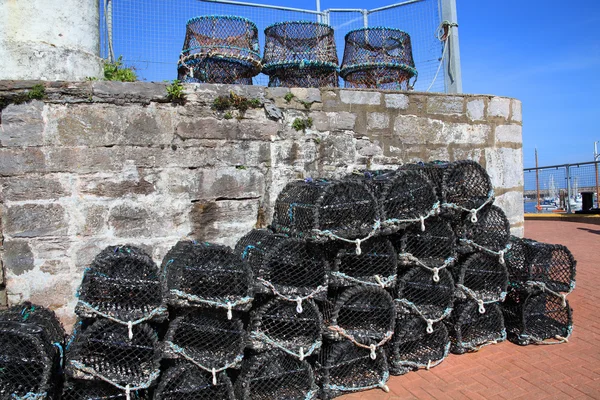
229 310
373 355
428 365
473 214
564 299
358 249
127 392
429 329
379 281
436 274
481 306
301 354
214 376
384 387
299 305
501 257
130 329
422 218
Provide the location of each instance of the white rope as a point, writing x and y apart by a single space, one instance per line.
356 242
473 211
429 321
499 254
444 39
372 347
298 300
300 355
382 282
129 324
90 371
472 294
435 210
544 288
436 270
227 305
560 339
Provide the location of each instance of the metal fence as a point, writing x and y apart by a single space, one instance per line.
561 187
149 34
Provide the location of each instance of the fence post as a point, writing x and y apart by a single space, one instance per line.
365 18
568 173
452 72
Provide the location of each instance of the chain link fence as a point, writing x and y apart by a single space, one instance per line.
149 34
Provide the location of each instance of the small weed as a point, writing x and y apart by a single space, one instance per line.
37 92
175 92
115 71
306 104
228 115
301 124
288 97
240 167
236 102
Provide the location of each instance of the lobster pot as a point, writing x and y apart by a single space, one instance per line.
110 352
343 368
481 277
186 381
489 232
122 283
433 247
419 294
284 266
552 265
207 275
470 329
300 54
98 390
536 317
275 375
207 340
378 58
361 314
31 341
375 266
293 328
219 49
324 210
413 347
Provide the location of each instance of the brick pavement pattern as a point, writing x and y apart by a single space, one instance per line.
509 371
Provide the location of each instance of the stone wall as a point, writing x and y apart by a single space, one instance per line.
101 163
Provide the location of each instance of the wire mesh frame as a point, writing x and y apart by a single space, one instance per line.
275 374
105 351
414 348
470 329
536 317
210 342
123 285
220 49
186 381
378 57
279 325
488 232
343 368
482 278
98 390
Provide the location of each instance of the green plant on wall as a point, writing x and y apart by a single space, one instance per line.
302 124
236 102
175 92
115 71
37 92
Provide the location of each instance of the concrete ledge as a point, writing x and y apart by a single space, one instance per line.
581 218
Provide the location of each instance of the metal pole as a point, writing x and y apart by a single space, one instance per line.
108 16
453 76
596 156
537 182
365 18
320 16
568 171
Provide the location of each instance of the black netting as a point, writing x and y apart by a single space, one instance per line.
188 382
98 390
219 49
291 268
343 368
110 352
123 284
326 209
275 375
469 329
208 340
481 277
376 265
31 351
286 326
532 263
490 232
433 247
300 54
207 275
361 314
418 293
378 58
535 317
413 347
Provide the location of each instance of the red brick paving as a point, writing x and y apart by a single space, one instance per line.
508 371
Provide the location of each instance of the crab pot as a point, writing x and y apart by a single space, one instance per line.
375 266
287 326
98 390
31 342
275 375
432 247
323 210
413 348
491 230
186 381
419 293
481 277
122 283
378 58
300 54
288 267
109 351
343 368
364 314
550 264
469 329
536 317
207 275
206 339
219 49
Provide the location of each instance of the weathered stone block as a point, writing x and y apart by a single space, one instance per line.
32 220
499 107
307 95
95 220
22 124
414 130
333 121
368 148
143 92
131 220
14 161
509 134
378 121
516 111
24 188
505 167
338 150
458 133
512 205
475 109
398 101
229 183
360 97
103 186
452 105
245 129
17 257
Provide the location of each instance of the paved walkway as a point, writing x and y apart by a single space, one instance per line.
508 371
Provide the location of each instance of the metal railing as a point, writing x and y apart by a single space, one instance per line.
148 34
565 187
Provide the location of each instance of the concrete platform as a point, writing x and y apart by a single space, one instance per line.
508 371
